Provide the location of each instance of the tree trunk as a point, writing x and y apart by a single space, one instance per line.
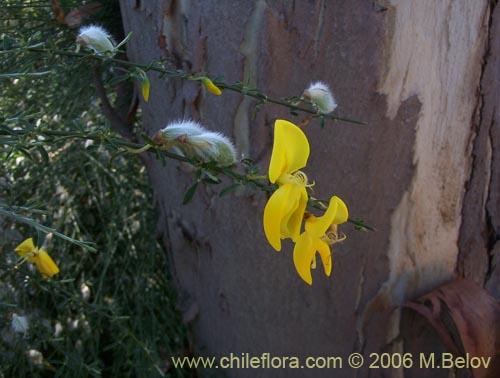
424 75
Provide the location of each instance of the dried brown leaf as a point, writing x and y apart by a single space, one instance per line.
467 319
59 13
76 17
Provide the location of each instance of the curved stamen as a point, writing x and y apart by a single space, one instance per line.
332 237
297 178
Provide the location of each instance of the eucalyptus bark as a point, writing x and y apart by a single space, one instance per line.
424 171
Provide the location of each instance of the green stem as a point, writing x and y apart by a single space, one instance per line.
244 179
154 66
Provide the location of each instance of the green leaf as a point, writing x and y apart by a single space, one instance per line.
211 178
26 153
147 139
119 79
190 193
18 75
125 40
197 174
43 154
228 189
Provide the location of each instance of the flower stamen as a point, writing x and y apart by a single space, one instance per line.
297 178
331 236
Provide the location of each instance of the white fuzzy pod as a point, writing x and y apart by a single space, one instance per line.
96 38
192 139
321 97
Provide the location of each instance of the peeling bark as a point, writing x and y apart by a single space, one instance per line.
478 235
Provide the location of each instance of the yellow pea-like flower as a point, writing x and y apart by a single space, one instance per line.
285 209
39 257
316 238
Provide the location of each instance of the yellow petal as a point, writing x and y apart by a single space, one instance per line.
212 88
325 254
45 264
290 149
342 213
278 206
273 213
317 227
283 214
145 88
303 254
295 221
26 247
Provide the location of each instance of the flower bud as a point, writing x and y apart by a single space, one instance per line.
193 140
211 87
321 97
97 39
35 357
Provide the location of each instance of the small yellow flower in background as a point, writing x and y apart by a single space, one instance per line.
321 97
212 88
142 76
39 257
319 233
285 209
145 89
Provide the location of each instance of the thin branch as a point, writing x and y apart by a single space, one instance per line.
117 123
156 67
128 146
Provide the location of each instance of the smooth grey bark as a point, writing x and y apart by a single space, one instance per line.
236 293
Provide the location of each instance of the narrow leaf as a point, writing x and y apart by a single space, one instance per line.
211 178
228 189
43 154
190 193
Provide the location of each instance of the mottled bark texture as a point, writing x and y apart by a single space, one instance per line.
424 172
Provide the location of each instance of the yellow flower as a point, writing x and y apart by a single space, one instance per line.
145 85
317 239
212 88
39 257
285 209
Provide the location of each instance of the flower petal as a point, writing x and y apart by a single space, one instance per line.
295 221
342 213
25 247
317 227
45 264
303 254
336 213
325 254
290 149
273 215
283 214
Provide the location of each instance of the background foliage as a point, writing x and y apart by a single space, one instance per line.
108 313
